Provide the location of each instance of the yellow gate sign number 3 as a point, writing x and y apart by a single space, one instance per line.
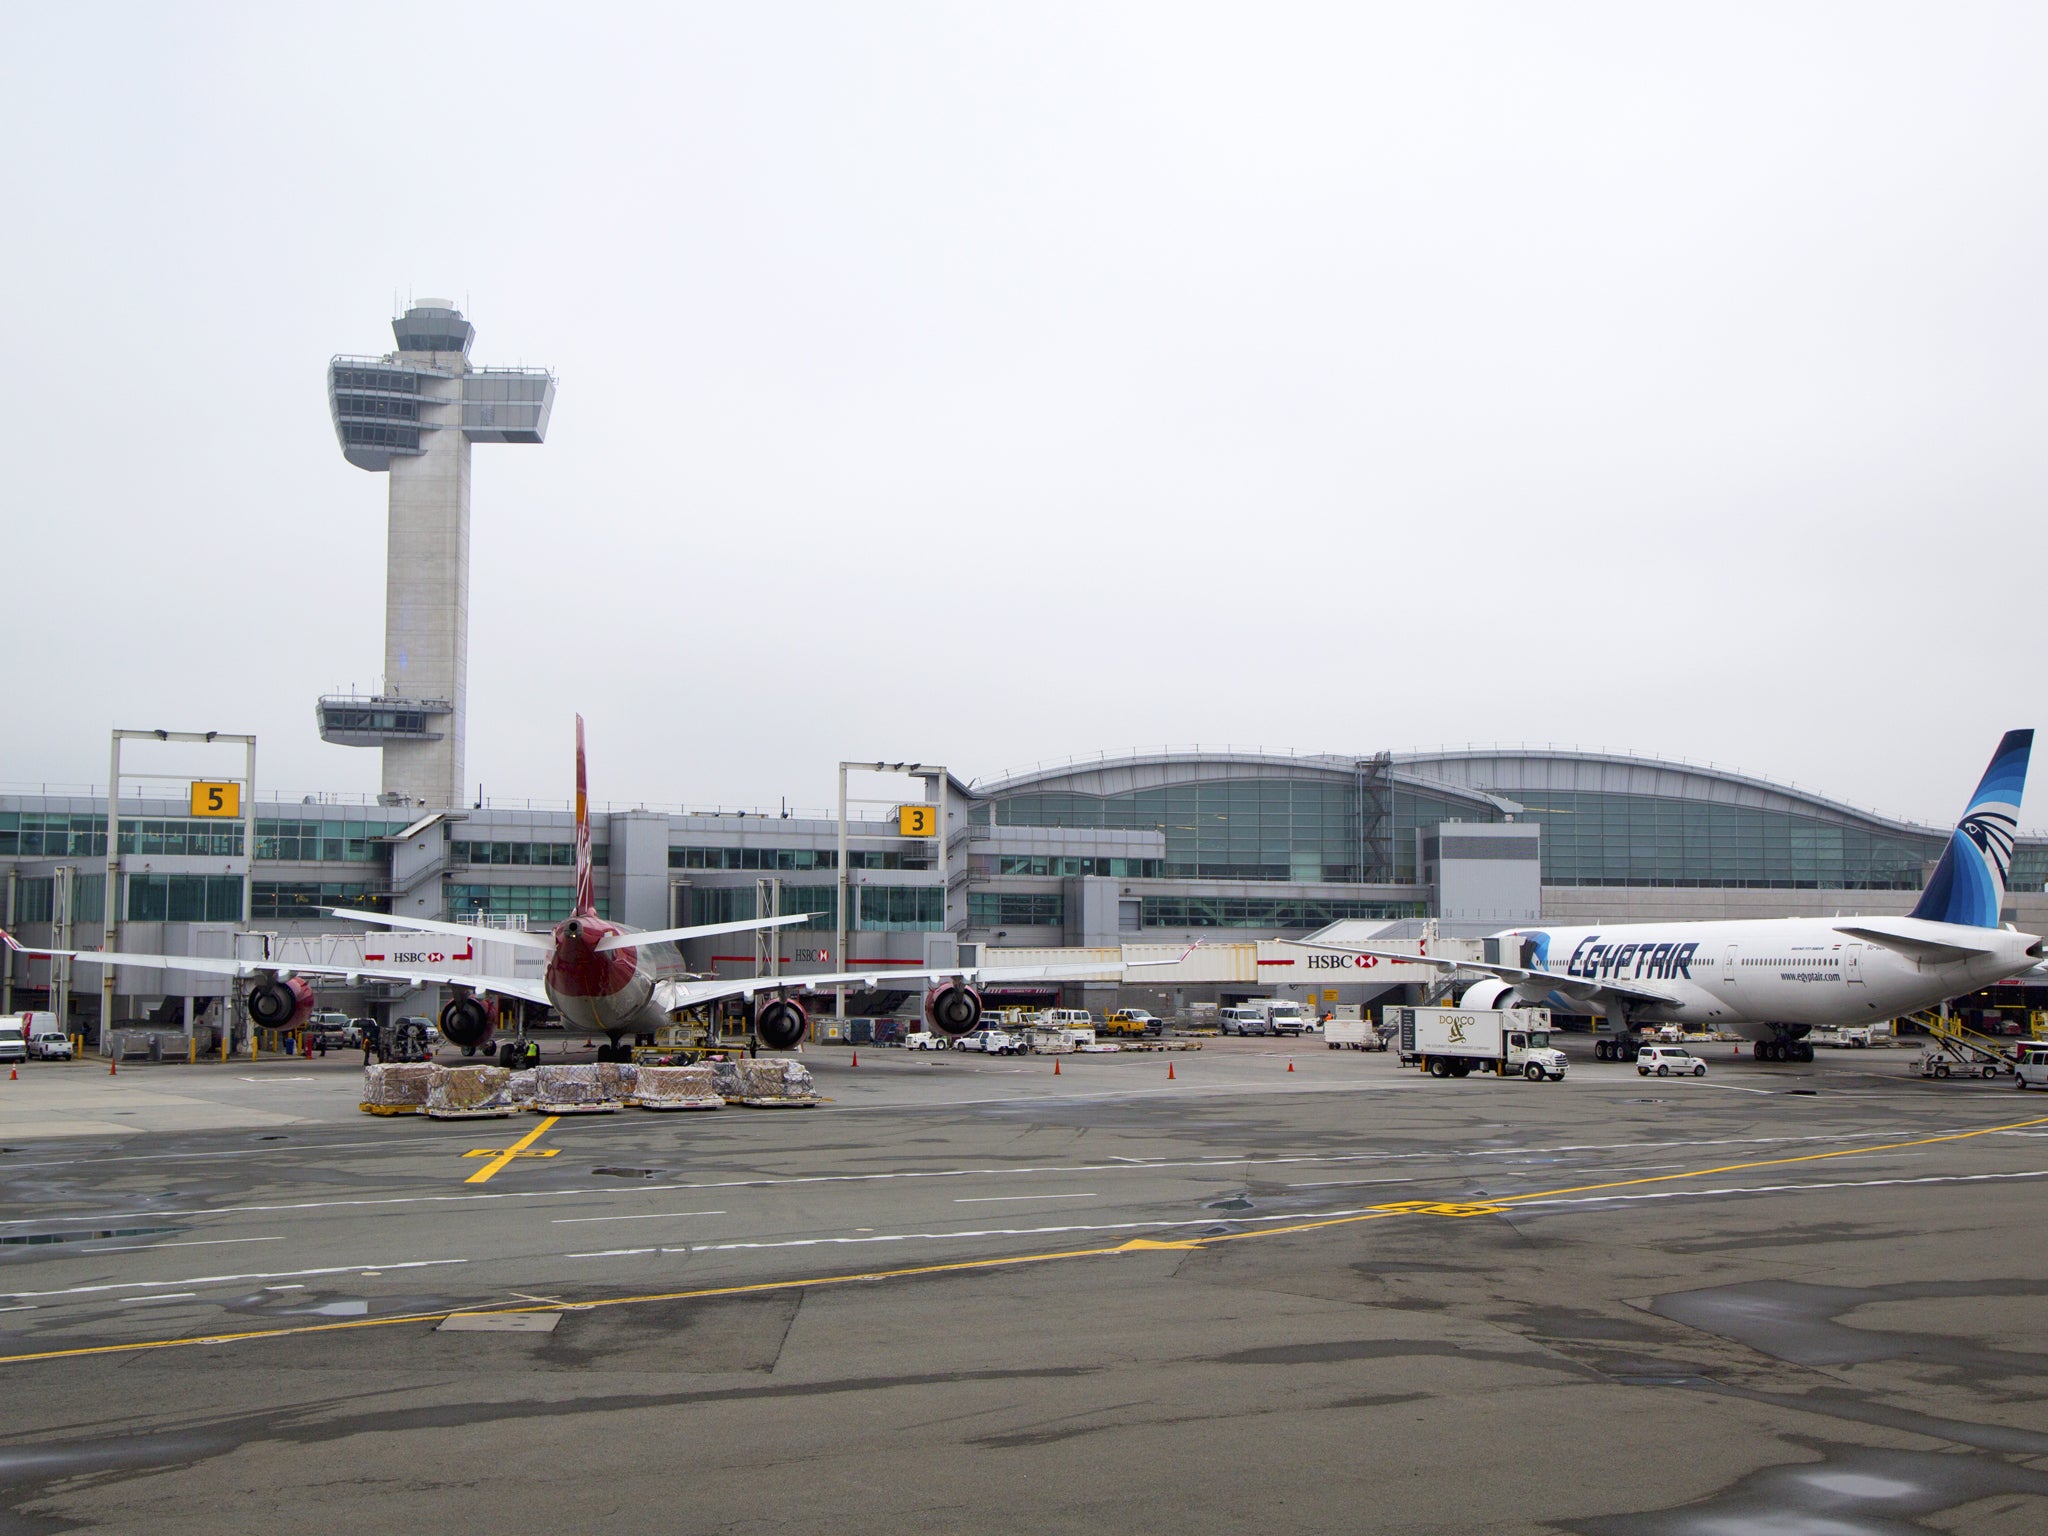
211 798
917 821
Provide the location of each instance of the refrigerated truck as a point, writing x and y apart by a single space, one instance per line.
1454 1042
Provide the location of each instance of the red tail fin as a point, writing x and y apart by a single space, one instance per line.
586 884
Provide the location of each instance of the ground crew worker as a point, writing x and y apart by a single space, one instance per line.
532 1053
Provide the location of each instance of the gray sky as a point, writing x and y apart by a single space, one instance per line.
985 385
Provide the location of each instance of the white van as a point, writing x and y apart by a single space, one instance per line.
13 1039
2032 1070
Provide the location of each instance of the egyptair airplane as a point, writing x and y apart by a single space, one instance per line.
1773 981
598 976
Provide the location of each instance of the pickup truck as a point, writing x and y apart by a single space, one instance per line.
1132 1021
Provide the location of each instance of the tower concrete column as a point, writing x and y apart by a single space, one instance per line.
413 414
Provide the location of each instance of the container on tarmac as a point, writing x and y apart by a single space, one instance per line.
1359 1034
1452 1042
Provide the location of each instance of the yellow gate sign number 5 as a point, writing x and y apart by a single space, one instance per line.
216 799
917 821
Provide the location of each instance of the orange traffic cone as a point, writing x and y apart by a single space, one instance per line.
113 1067
1169 1071
14 1074
1290 1066
1055 1066
856 1058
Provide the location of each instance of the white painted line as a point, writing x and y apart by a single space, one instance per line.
561 1221
131 1285
1074 1194
613 1253
131 1301
24 1307
210 1242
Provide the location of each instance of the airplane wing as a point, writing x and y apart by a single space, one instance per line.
1582 989
498 986
691 994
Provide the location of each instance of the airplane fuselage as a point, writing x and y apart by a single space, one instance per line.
600 992
1762 978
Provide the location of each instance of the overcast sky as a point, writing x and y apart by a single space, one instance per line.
990 384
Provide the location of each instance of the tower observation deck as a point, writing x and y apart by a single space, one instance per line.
412 415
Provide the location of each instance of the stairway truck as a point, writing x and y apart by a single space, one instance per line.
1455 1042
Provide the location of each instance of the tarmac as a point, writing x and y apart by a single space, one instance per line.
968 1294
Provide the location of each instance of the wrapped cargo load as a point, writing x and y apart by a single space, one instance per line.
576 1090
469 1093
677 1088
769 1082
617 1079
521 1088
396 1087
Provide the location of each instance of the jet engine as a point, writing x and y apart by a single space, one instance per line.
780 1024
1491 993
468 1021
284 1003
953 1009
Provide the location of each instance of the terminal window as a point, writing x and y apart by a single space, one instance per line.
184 898
1010 909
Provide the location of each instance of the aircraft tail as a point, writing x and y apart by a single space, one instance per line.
1968 885
586 883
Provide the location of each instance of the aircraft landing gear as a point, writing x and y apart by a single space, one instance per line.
1784 1050
1615 1050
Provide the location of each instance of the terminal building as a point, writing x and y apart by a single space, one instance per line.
1240 850
1229 848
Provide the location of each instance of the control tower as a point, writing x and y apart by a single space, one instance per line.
412 414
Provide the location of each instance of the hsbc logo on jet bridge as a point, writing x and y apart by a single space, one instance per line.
1342 962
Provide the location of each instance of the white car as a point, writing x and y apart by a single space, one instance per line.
1669 1061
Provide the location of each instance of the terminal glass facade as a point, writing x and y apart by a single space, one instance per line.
1224 829
1613 839
184 898
288 899
1263 911
1005 909
538 904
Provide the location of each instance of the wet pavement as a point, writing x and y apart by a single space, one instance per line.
970 1295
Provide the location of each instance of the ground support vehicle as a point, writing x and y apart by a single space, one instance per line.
1669 1061
924 1040
1283 1015
2031 1070
1454 1042
1244 1020
1132 1021
42 1035
13 1039
1357 1034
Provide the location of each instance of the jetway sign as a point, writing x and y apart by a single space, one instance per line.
216 797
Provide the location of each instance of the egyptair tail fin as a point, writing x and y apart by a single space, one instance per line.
1968 885
586 882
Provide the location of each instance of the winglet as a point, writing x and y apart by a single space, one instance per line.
586 882
1968 885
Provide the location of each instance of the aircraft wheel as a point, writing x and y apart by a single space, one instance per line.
1805 1051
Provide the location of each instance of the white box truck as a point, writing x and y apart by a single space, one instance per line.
1452 1042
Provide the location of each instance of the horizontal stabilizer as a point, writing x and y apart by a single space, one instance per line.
518 938
701 931
1917 939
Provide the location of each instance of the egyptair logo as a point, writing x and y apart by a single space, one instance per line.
1993 835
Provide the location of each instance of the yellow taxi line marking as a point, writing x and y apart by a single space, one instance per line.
517 1149
1135 1245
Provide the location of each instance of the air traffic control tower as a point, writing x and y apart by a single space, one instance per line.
412 414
